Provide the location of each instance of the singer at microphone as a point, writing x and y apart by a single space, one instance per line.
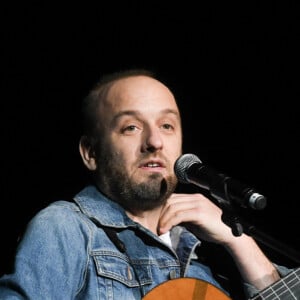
189 169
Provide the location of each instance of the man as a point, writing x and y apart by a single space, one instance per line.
121 236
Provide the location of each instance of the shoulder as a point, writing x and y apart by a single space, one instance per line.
58 210
59 216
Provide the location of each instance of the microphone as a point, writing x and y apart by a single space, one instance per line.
189 169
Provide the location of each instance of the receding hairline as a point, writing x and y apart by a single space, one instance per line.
102 88
118 75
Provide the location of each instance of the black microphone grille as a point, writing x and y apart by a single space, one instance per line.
182 164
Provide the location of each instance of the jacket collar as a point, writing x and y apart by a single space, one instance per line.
109 213
96 206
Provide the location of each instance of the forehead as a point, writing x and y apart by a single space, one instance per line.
139 93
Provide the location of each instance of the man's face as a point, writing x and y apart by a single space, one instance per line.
141 138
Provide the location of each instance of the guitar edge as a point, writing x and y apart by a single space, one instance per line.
186 289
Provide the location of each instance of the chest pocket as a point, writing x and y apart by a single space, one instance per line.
117 266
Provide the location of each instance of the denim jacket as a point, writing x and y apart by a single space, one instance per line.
90 249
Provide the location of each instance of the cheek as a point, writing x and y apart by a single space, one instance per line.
124 152
126 144
174 146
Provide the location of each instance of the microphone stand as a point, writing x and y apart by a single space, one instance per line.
219 192
238 226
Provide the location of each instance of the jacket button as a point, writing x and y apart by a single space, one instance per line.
172 274
129 275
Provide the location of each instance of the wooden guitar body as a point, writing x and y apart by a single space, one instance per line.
186 289
287 288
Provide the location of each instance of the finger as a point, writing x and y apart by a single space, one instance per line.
178 212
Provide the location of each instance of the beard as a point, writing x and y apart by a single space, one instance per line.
132 195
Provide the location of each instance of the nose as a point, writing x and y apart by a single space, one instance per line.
152 140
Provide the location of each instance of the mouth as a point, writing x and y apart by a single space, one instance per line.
153 165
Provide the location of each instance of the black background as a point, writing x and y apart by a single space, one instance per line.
234 68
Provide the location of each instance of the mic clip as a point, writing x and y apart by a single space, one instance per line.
234 222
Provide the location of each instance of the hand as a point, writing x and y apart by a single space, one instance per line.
199 211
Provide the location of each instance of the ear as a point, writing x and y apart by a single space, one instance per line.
87 153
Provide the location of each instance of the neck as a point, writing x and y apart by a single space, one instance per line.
148 219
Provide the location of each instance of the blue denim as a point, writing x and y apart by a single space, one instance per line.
66 254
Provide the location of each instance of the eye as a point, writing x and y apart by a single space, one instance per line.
130 129
167 126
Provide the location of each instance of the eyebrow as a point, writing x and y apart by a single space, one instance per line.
136 113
